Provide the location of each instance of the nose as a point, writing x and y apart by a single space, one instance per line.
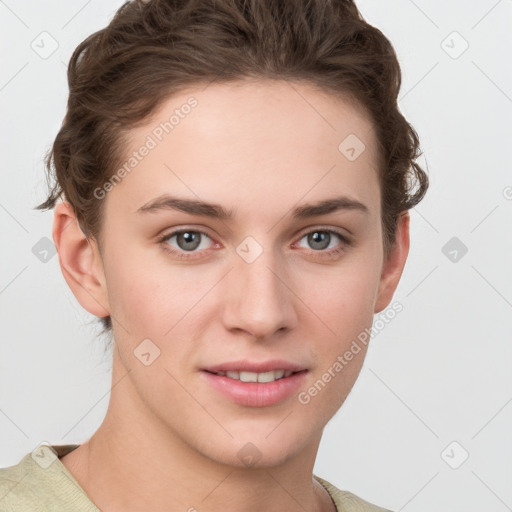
258 298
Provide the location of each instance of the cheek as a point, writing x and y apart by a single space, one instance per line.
136 293
343 301
343 308
153 298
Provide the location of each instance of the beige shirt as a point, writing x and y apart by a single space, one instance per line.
41 483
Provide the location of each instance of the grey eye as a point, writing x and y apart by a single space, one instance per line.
188 240
319 240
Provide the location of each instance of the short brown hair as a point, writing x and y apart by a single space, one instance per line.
153 49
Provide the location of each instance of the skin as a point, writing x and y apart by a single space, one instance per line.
259 149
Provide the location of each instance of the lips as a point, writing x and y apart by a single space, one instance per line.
255 384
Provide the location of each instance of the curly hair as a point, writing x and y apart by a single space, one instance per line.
153 49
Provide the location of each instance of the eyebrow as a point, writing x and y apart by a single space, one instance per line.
216 211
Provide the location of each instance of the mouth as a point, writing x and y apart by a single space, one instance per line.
256 384
246 376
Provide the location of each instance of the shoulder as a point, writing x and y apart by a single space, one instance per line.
346 501
16 487
41 483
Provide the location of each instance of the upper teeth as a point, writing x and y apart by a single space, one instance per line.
256 377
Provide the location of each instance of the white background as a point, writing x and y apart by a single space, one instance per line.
439 372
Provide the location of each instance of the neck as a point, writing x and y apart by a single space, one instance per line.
133 462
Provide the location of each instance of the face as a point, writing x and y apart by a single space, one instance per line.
281 270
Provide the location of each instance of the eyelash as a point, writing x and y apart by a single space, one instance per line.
189 255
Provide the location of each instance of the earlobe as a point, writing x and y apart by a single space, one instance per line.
394 264
80 261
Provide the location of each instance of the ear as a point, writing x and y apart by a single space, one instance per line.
394 263
80 261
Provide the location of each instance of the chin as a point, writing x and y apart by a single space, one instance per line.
259 448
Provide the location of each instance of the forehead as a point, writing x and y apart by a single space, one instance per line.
239 141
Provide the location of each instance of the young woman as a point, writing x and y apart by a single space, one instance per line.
235 178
